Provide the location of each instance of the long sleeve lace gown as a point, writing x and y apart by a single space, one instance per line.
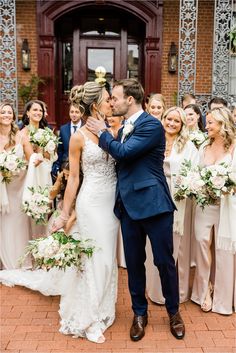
87 305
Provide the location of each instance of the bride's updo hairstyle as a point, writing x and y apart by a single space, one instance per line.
84 96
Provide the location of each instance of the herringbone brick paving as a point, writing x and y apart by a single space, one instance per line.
30 322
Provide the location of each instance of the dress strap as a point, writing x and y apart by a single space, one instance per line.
83 134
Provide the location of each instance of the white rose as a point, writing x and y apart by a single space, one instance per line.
217 181
50 147
196 184
232 177
222 170
37 198
11 165
38 135
2 158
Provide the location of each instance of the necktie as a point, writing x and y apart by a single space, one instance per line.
75 128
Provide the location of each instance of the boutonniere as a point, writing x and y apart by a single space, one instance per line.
128 128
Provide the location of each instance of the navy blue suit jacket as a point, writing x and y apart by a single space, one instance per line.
141 183
63 147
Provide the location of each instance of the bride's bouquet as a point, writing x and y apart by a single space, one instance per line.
10 165
206 185
58 250
38 205
45 139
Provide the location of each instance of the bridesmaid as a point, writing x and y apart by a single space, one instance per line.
194 117
156 105
115 123
214 280
15 225
40 165
178 148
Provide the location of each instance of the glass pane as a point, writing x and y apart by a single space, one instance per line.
100 26
100 57
67 66
133 58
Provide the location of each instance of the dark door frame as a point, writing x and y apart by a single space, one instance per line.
149 12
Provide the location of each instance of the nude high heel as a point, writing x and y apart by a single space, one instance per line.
207 304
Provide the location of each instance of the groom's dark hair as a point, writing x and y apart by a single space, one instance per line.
131 87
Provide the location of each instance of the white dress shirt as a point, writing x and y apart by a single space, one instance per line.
72 130
133 117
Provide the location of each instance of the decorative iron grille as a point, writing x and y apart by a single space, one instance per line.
187 46
8 76
221 49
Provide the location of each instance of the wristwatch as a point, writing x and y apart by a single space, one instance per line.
100 132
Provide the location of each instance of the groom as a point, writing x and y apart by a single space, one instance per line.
143 202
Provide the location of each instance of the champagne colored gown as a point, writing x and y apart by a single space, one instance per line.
181 254
87 305
15 229
215 265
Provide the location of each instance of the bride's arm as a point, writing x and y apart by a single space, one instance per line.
75 148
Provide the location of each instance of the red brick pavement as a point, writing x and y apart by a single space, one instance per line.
30 322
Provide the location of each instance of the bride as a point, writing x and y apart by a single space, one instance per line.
87 305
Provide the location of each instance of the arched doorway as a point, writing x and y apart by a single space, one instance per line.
124 38
93 37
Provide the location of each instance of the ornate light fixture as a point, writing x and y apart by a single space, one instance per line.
25 55
172 58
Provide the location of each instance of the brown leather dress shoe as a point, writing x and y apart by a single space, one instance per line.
177 325
137 329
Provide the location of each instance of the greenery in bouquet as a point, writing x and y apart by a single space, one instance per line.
219 180
188 183
10 165
198 137
206 185
58 250
38 206
45 139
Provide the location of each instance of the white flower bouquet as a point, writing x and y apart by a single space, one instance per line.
219 180
206 185
58 250
10 165
189 183
38 206
44 138
197 137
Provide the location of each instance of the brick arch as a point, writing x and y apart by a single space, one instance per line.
150 12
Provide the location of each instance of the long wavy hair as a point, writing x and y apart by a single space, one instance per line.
14 127
183 134
197 110
227 126
25 119
84 96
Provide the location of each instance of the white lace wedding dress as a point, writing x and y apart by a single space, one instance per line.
87 305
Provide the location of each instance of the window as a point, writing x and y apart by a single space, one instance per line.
67 67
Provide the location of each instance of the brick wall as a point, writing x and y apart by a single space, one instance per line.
205 33
169 81
26 28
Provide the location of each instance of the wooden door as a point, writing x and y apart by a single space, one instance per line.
94 53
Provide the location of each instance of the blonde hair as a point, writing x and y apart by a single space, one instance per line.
225 118
14 127
84 96
158 97
183 134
